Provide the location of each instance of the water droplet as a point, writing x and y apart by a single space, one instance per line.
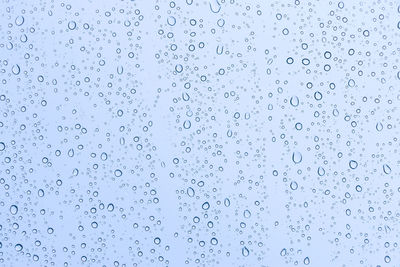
297 157
72 25
294 101
205 206
19 20
118 173
353 164
13 209
16 69
190 192
386 169
294 185
187 124
379 126
171 20
245 251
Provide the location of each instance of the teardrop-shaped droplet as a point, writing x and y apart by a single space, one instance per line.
297 157
185 96
283 252
187 124
13 209
178 68
379 126
246 214
120 70
245 251
294 185
16 69
23 38
386 169
215 6
227 202
10 46
19 20
72 25
294 101
220 49
335 112
190 192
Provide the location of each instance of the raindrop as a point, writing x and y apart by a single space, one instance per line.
297 157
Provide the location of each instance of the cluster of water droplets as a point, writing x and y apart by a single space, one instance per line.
199 133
